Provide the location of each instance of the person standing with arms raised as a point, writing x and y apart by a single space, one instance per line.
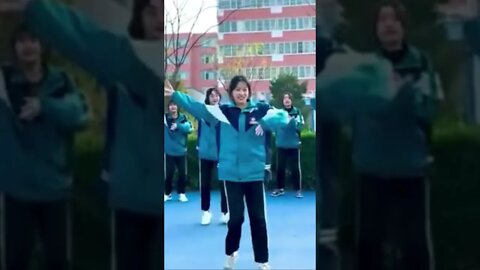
44 111
127 66
241 162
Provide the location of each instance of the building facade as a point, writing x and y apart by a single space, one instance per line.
262 39
196 55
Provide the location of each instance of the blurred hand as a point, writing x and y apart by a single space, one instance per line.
173 127
259 130
168 92
31 109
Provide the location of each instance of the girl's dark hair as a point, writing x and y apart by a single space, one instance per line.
235 81
20 33
135 28
289 94
400 12
209 92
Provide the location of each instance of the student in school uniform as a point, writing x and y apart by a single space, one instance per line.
44 111
391 116
241 162
126 65
328 137
288 141
207 145
176 130
392 152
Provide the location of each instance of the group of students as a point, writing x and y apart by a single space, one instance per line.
177 128
235 144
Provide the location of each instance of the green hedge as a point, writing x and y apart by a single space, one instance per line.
307 162
455 200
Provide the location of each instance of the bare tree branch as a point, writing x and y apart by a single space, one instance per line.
180 45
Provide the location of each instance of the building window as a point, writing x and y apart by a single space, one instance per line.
224 4
295 71
254 72
234 4
294 48
279 25
308 47
286 24
248 26
208 59
208 75
293 23
208 43
253 49
260 25
307 23
300 47
183 75
288 48
267 25
301 73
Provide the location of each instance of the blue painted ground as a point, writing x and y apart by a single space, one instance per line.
291 229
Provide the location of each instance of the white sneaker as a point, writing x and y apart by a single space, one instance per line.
182 198
230 261
224 218
167 198
264 266
206 218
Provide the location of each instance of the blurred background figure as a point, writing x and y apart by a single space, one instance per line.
391 153
177 128
45 110
288 142
329 17
207 146
135 76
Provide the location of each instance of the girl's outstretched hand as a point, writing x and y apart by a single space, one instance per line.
259 130
168 89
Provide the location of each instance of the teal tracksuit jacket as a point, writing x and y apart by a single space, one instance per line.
36 156
175 141
289 137
389 135
242 154
136 174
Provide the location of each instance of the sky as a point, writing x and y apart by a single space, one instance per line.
207 19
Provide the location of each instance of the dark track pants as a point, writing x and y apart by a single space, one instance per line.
138 241
254 195
173 163
290 158
207 173
24 221
397 207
